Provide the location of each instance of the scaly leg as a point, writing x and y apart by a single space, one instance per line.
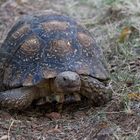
18 98
95 90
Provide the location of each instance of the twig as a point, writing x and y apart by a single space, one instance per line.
10 129
113 112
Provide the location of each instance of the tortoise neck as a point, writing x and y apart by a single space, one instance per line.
51 85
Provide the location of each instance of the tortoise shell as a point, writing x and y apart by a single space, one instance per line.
41 46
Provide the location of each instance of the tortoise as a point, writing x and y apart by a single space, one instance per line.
50 57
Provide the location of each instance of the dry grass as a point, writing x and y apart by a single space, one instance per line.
119 119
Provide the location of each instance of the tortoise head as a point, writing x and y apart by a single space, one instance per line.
67 81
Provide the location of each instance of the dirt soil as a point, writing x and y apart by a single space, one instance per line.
116 29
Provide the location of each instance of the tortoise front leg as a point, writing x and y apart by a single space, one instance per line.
95 90
18 98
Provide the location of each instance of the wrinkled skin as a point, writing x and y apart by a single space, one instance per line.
66 84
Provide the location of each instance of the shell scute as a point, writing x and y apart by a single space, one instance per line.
54 25
20 32
30 46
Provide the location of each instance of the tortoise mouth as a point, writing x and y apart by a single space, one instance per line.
72 88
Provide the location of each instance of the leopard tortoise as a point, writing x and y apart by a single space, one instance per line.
51 57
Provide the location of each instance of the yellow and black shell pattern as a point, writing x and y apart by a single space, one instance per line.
42 46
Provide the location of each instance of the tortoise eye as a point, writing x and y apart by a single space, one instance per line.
64 79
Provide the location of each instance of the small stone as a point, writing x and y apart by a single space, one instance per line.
54 116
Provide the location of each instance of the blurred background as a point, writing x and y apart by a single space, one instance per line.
115 25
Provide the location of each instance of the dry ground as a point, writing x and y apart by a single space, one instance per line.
116 27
